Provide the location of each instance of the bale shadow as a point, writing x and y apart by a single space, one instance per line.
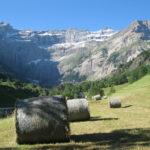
49 147
95 119
127 106
120 138
102 119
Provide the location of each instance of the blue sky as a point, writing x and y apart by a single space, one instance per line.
82 14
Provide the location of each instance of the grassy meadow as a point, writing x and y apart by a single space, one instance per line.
126 128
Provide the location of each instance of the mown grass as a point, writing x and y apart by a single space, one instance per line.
117 88
126 128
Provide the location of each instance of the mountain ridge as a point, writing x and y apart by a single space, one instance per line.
54 56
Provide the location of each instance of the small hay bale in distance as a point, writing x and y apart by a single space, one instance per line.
96 97
104 97
115 103
42 120
78 109
81 95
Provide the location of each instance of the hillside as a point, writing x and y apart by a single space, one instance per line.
137 92
125 73
55 56
124 128
141 59
132 70
11 90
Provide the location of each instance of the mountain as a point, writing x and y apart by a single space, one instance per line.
143 59
41 56
121 48
12 90
54 56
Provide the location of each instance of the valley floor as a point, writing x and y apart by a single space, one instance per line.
123 128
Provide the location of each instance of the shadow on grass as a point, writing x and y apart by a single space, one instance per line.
126 106
118 139
49 147
98 119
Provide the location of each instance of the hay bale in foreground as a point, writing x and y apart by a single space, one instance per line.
115 103
78 109
42 120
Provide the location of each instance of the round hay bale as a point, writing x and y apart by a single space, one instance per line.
81 95
78 110
104 97
115 103
96 97
42 120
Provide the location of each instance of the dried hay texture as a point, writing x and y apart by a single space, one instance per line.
115 103
42 120
78 109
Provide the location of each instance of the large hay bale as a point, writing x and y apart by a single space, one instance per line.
115 103
42 120
78 109
96 97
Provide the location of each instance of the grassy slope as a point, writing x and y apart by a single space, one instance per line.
123 128
117 88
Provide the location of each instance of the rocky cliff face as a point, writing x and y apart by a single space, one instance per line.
53 56
123 47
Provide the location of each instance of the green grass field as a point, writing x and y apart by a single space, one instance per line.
123 128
